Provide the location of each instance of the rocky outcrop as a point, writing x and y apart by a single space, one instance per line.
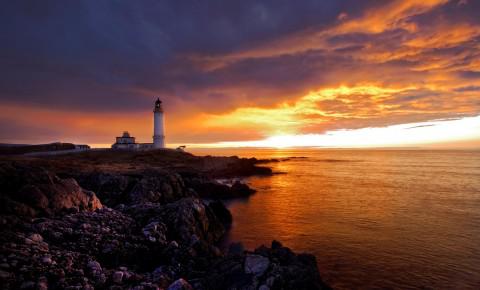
233 167
265 268
109 247
33 191
115 188
152 231
209 188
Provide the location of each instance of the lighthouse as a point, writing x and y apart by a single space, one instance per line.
158 126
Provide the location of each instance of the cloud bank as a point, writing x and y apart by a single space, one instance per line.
239 71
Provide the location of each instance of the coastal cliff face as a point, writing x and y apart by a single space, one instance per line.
132 221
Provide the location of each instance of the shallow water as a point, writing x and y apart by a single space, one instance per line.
373 218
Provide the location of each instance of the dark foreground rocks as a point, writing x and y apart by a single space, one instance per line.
147 229
34 191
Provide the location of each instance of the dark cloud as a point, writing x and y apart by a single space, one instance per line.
467 89
95 55
212 57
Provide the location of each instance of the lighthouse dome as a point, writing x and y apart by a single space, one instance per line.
158 106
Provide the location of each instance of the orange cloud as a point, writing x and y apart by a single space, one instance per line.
340 105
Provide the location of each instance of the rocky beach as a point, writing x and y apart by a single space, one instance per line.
134 220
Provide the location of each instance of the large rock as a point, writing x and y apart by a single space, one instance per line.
33 191
189 219
266 268
160 187
256 264
208 188
232 167
114 188
221 212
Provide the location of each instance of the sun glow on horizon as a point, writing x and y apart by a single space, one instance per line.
311 109
403 135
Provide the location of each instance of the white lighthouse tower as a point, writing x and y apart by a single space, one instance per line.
158 126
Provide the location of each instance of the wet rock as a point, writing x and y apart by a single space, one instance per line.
256 264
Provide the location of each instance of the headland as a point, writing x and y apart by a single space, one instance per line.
134 220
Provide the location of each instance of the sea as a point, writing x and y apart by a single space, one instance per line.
374 219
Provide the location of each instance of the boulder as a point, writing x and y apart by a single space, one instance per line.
265 268
208 188
158 187
256 264
190 217
34 191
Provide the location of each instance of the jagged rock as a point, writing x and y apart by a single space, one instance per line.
180 284
159 235
157 186
208 188
256 264
233 167
265 267
155 232
221 212
188 217
33 191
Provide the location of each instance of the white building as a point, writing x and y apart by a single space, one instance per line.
127 142
158 126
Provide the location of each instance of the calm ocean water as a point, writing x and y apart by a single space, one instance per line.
373 218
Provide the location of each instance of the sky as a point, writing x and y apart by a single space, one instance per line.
273 73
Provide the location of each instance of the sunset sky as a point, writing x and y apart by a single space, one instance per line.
242 73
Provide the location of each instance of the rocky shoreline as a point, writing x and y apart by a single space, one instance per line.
133 220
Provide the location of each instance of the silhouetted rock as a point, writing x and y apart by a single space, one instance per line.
265 268
221 212
208 188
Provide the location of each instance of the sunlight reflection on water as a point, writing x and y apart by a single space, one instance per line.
379 219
